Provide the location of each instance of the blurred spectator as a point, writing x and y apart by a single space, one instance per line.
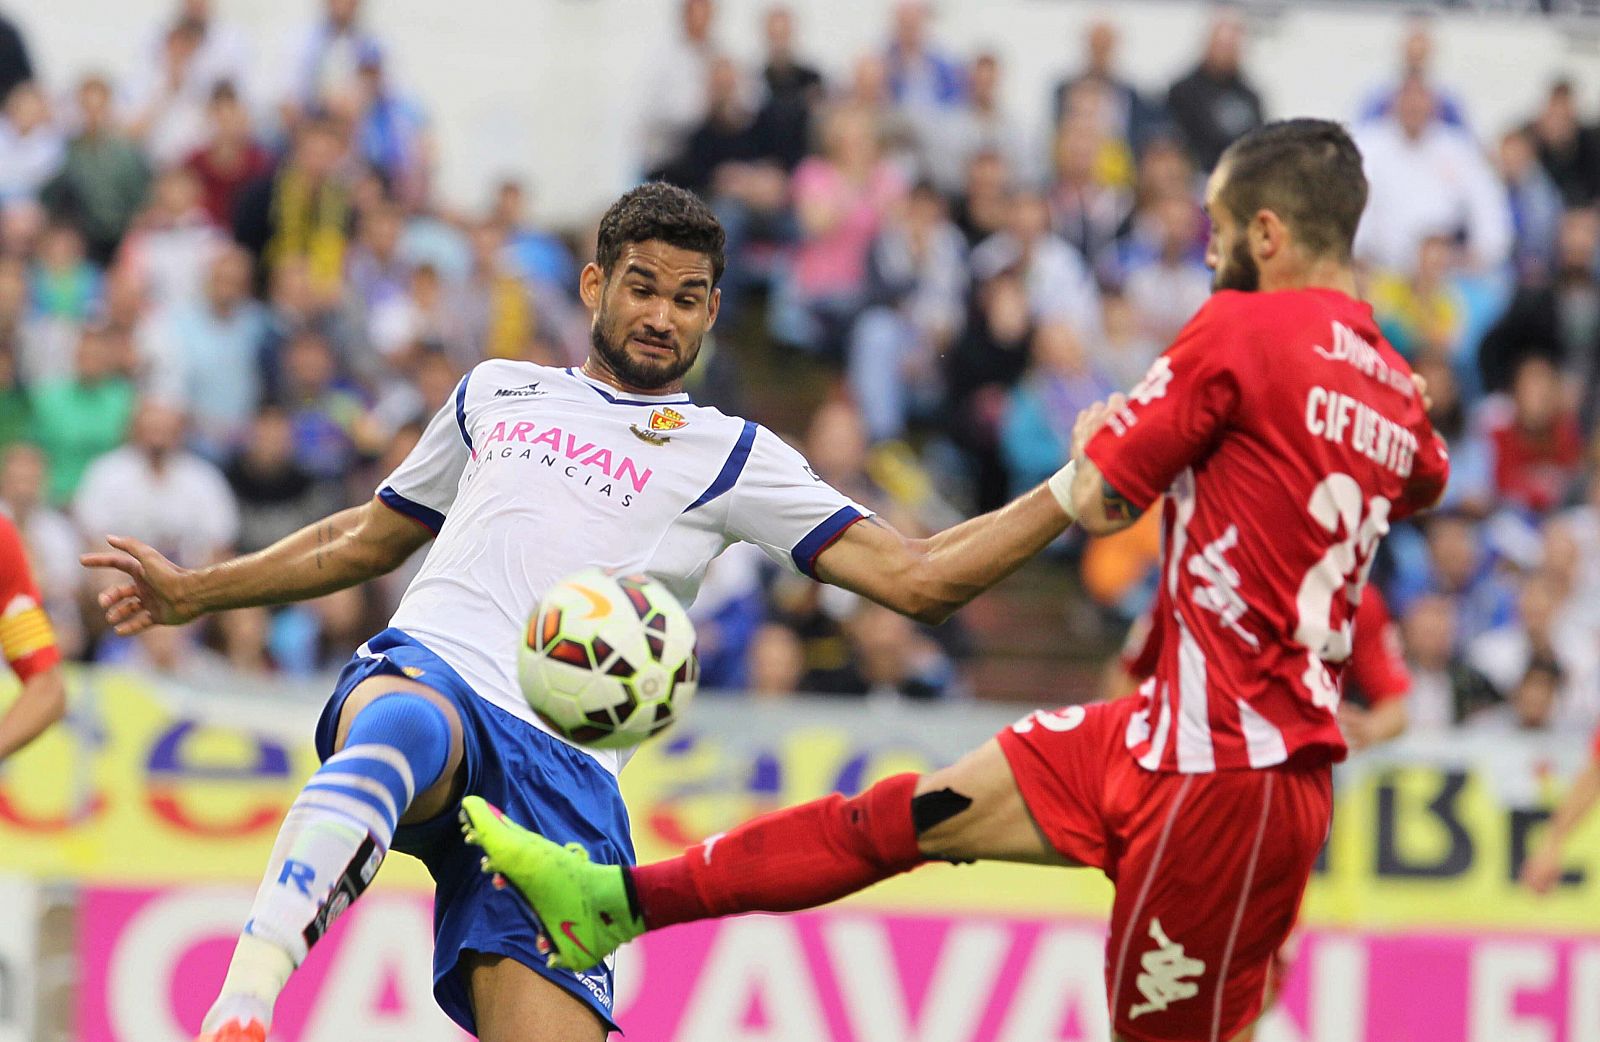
78 417
1088 211
794 89
841 198
1214 104
1164 274
1545 630
535 254
1463 566
377 276
985 363
155 490
674 87
981 208
303 209
15 65
52 542
1058 282
1124 353
425 313
31 145
230 158
1535 205
325 409
103 181
1445 689
922 78
728 133
223 53
1537 449
917 286
1427 178
837 447
1421 313
494 305
1036 431
1569 151
899 136
979 123
323 58
727 613
167 100
1416 60
62 283
40 348
276 495
1531 705
1471 486
892 656
1122 110
215 346
392 133
16 412
1557 318
171 244
776 662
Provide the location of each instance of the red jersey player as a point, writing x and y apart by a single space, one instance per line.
1287 436
29 646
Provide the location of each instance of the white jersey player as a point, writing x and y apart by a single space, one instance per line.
529 474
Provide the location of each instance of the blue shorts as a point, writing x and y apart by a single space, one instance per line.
540 782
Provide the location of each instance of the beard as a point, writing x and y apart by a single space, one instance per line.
1238 270
644 373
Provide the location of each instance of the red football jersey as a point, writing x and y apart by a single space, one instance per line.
26 638
1287 436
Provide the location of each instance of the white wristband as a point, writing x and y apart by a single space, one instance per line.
1060 485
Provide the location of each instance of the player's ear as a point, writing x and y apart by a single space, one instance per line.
1268 235
590 282
713 305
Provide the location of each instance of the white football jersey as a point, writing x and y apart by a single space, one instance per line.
532 473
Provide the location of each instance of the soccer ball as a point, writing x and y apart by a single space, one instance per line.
608 660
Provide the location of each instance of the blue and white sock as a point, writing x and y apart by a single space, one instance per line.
330 845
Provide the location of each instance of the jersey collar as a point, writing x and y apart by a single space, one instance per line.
616 397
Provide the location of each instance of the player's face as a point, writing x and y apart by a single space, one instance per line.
1228 248
651 314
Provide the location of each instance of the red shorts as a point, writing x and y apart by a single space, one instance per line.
1209 868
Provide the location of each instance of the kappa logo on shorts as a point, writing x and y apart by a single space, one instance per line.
1162 981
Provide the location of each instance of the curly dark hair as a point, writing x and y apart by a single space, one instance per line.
1308 171
657 210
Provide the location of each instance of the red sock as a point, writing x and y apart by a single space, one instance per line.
799 857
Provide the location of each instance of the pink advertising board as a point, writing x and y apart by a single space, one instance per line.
150 961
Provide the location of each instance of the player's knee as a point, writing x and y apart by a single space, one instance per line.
403 740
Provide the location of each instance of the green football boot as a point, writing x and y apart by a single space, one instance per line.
584 907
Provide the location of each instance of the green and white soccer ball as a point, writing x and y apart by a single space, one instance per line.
608 660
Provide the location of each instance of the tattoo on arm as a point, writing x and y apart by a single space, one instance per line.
1117 506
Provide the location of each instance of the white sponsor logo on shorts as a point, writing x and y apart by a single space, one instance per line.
1162 981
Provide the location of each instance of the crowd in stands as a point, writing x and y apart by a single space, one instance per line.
223 315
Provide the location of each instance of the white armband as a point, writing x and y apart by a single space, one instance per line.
1060 484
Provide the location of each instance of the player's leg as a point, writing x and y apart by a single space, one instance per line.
512 1003
398 748
788 860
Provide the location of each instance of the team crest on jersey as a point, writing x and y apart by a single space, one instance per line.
662 419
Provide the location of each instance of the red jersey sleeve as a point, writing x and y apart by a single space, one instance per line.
1377 664
1176 413
1429 474
26 639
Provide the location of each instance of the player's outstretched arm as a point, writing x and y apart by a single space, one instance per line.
42 702
928 579
341 550
1543 870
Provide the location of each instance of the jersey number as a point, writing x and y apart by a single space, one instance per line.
1336 505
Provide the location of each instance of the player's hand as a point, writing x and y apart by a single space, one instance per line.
1422 390
1542 871
1090 420
1356 723
154 594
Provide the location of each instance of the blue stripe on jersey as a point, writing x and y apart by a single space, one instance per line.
681 399
461 410
731 469
807 550
425 516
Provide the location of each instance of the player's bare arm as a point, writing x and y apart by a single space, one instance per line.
1099 507
339 551
1543 870
42 702
929 579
